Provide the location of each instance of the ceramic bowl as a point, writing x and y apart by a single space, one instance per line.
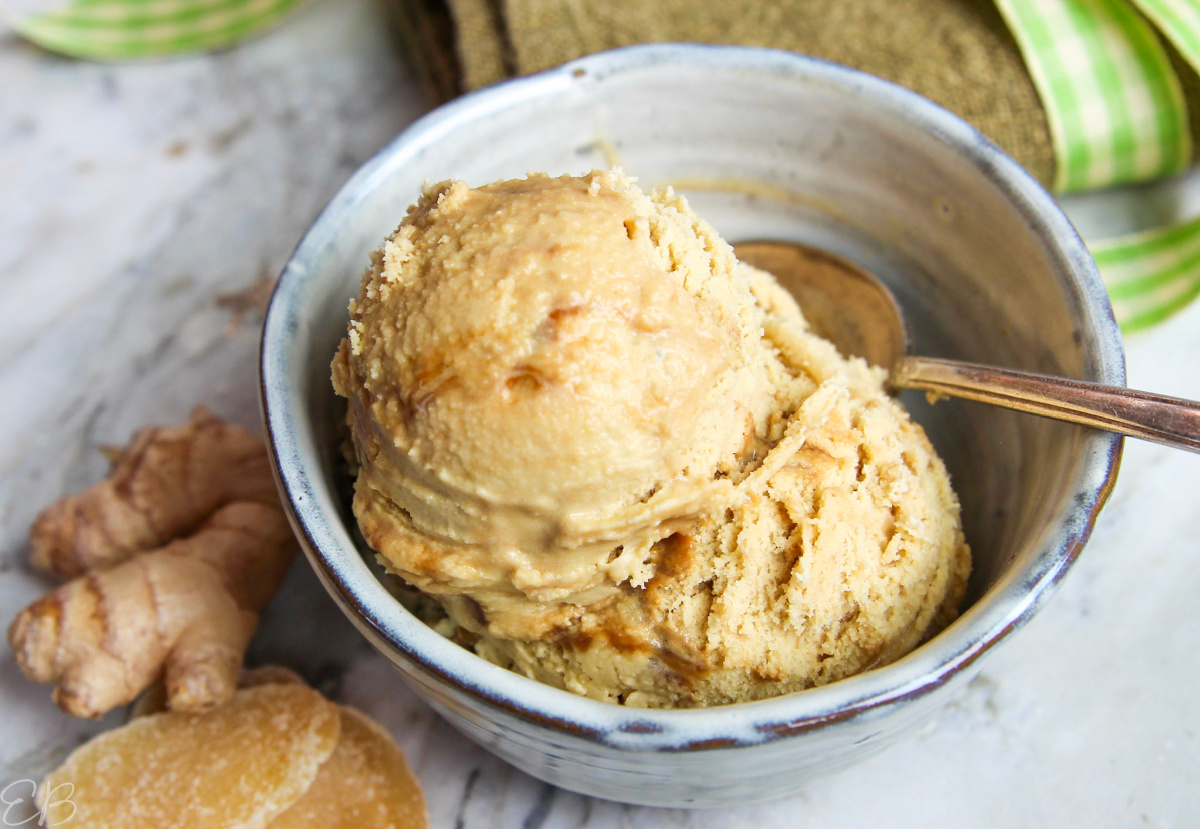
767 145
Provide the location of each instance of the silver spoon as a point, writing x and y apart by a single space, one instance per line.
853 309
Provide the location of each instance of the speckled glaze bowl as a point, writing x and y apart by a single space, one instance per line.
767 145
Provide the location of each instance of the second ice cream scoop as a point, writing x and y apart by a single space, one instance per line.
855 311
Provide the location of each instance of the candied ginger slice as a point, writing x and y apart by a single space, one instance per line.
235 767
365 784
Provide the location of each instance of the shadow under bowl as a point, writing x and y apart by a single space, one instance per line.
765 144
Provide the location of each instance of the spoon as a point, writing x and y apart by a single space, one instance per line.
855 311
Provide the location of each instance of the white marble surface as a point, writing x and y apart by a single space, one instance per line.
131 197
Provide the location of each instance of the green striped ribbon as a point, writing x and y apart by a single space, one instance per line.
1115 107
1179 22
126 29
1117 115
1150 275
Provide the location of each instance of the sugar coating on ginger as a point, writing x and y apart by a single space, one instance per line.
365 784
277 755
237 766
811 535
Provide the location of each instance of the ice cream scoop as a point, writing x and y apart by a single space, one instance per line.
853 309
544 375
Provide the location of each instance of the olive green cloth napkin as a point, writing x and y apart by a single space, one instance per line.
958 53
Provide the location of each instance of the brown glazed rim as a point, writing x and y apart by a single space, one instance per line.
430 661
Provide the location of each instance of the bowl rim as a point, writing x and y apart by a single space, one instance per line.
1007 605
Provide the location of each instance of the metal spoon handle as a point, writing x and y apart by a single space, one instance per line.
1167 420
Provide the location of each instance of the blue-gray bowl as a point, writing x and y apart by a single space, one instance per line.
767 145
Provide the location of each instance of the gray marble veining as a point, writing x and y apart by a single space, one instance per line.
132 197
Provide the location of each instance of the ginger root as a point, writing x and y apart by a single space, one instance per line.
141 605
162 486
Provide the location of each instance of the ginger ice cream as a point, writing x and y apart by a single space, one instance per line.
619 460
